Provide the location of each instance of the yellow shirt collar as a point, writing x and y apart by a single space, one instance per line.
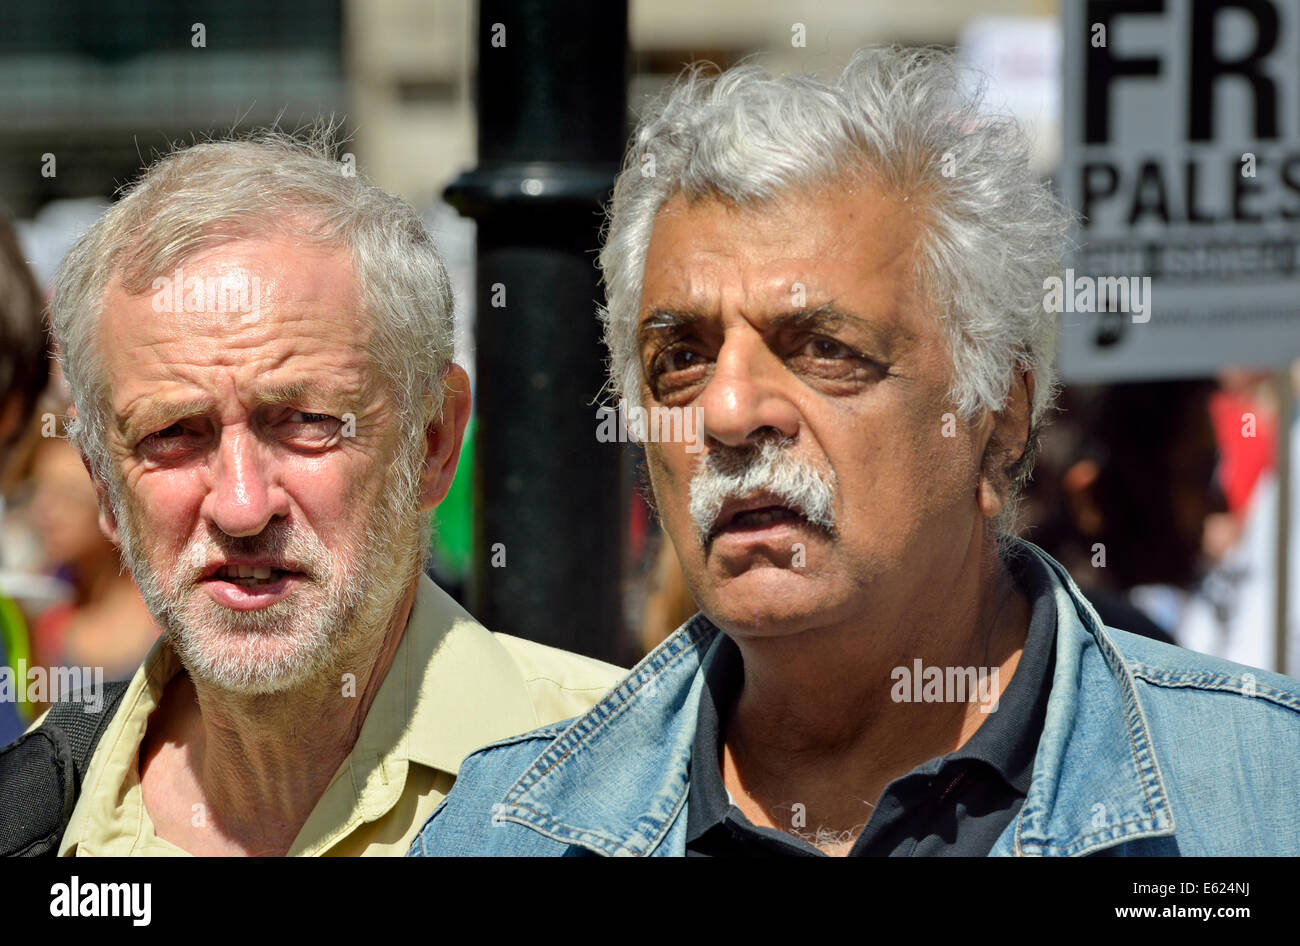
451 689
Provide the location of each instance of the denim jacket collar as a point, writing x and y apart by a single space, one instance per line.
1096 780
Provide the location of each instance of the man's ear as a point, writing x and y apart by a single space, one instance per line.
444 437
1080 488
1007 443
107 521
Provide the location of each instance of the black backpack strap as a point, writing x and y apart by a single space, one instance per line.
81 729
41 772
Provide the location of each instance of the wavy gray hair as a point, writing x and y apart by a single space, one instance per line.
992 230
200 196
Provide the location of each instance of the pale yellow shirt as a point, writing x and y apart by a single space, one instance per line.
453 687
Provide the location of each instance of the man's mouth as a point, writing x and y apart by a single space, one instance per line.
755 514
752 518
248 576
250 586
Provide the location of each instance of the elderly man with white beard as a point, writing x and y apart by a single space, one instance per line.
845 279
259 349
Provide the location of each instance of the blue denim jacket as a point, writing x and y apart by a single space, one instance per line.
1147 749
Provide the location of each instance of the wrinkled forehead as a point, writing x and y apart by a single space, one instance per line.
268 309
235 288
170 240
852 246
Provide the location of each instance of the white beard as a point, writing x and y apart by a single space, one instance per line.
343 605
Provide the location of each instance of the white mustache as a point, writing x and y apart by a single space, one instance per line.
730 473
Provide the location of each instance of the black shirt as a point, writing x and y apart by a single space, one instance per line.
954 805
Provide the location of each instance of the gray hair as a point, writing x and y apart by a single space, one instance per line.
992 230
198 197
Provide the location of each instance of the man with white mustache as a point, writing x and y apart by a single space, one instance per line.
879 666
269 470
770 474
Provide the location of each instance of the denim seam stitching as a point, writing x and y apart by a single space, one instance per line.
601 714
1148 771
672 650
548 733
1214 682
562 833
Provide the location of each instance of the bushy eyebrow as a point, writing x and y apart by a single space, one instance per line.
663 321
821 318
157 415
297 392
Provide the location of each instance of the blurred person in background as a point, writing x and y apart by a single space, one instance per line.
1232 612
24 373
668 602
106 624
1124 489
1161 499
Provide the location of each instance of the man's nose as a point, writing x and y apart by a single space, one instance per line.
243 500
746 398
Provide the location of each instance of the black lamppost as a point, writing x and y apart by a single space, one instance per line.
551 94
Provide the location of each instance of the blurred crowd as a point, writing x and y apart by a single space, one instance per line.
65 599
